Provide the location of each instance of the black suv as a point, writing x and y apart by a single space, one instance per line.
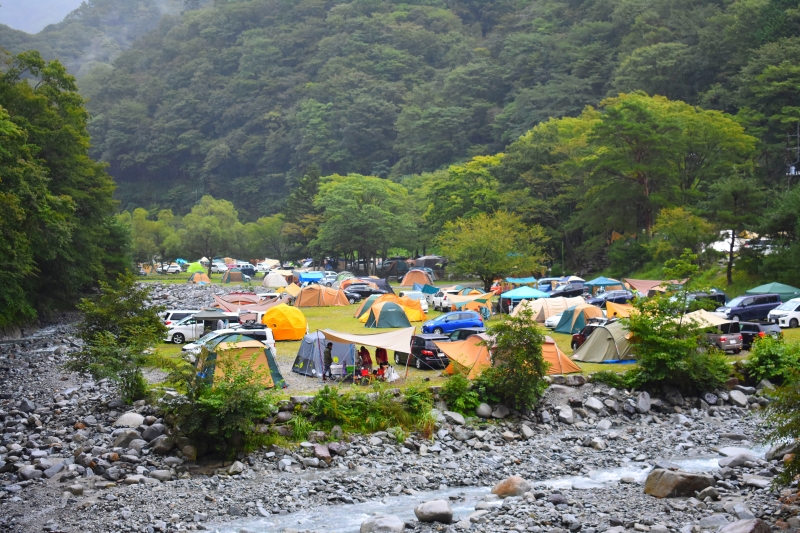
463 333
363 290
570 290
752 330
716 297
424 353
617 297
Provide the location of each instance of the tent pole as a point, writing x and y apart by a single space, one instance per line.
408 358
321 358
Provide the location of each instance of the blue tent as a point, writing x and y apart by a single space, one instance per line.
520 281
425 289
310 276
524 293
602 282
309 356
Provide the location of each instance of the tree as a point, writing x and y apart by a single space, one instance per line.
212 227
267 235
676 230
493 246
362 214
735 204
301 214
783 421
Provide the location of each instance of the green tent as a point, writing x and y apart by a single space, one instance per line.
366 305
195 267
575 318
387 315
606 344
786 292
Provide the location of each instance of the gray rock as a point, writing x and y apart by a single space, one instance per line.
322 453
236 468
671 484
736 460
161 475
29 472
454 418
604 424
738 398
434 511
777 451
746 526
764 384
501 411
311 462
642 402
566 415
153 432
53 470
190 452
708 492
125 437
598 444
594 404
76 489
546 417
162 445
575 380
712 522
742 512
745 389
526 431
284 416
130 420
301 399
383 524
26 406
484 410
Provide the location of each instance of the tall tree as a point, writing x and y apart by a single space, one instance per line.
212 227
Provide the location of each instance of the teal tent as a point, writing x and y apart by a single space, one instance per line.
520 281
574 318
425 289
603 282
524 293
387 315
786 292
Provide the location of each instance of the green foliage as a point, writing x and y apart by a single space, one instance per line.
612 379
516 377
117 329
222 418
783 421
773 359
457 392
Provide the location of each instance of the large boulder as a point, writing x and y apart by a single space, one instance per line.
130 420
737 460
594 404
738 398
512 486
125 437
777 451
454 418
565 415
383 524
322 453
746 526
643 402
484 410
434 511
662 483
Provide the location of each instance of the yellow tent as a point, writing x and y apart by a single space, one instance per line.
412 308
469 356
287 323
559 362
618 310
291 289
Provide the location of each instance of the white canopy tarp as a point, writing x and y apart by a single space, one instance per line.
398 340
703 319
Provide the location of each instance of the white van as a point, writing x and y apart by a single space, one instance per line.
417 295
786 315
173 316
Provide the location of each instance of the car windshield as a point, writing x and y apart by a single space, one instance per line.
207 337
185 321
736 302
787 306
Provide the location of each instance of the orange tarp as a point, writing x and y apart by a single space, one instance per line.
319 296
469 356
559 362
291 289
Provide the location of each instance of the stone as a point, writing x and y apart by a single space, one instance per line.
526 431
738 398
53 470
161 475
662 483
236 468
566 415
484 410
642 402
301 399
162 445
713 522
75 490
557 498
125 437
710 398
604 424
777 451
758 482
746 526
284 416
673 396
708 492
736 460
322 453
311 462
29 472
546 417
501 411
454 418
153 432
764 384
575 380
26 406
383 524
434 511
129 420
742 512
598 444
745 389
190 452
594 404
512 486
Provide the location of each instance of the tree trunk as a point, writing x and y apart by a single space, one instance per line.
730 259
487 284
210 257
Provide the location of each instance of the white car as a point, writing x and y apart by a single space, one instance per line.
262 268
786 315
187 329
328 278
417 295
440 300
553 321
219 268
171 269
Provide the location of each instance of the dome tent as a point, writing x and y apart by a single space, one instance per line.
574 318
256 353
287 323
309 355
387 315
273 280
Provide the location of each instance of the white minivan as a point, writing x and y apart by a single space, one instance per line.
786 315
187 329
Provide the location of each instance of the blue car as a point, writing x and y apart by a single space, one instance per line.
449 322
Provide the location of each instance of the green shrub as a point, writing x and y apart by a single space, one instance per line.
223 417
772 359
300 426
418 400
459 396
612 379
783 421
516 377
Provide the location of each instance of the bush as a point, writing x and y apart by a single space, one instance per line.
783 416
772 359
223 417
516 377
456 392
117 329
612 379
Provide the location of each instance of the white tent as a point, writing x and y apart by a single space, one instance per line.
274 280
544 308
703 319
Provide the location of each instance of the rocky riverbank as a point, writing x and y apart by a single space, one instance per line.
73 458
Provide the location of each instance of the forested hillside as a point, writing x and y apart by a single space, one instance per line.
239 100
94 34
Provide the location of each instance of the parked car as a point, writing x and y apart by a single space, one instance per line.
247 270
328 278
424 353
395 268
171 269
753 330
579 338
218 268
715 296
449 322
463 333
786 315
617 297
552 321
364 290
352 297
727 337
417 295
569 290
746 308
173 316
187 329
262 268
440 300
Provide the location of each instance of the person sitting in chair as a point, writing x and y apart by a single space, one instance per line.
366 359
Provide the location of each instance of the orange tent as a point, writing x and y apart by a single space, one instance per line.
618 310
469 356
319 296
349 281
416 276
198 277
287 323
559 362
413 308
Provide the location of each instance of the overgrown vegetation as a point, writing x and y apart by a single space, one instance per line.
118 329
783 419
459 396
772 359
612 379
516 377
